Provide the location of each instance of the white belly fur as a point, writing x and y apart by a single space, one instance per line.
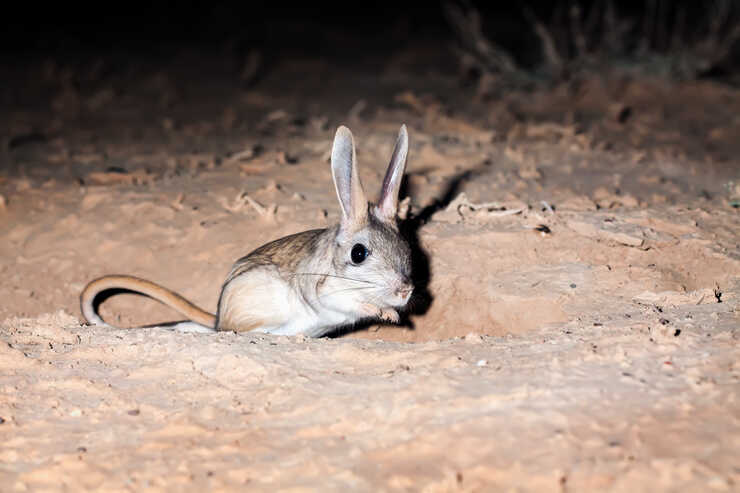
262 300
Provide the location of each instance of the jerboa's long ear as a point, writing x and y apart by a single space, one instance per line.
388 203
347 181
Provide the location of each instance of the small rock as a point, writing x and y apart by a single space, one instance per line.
579 203
473 338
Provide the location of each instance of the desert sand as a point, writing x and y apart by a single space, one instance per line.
574 328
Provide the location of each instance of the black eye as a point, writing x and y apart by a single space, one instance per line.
358 253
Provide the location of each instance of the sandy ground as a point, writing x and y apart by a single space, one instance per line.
575 325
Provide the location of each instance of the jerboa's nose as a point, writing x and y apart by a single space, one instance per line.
405 289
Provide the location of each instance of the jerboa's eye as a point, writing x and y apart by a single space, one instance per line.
358 254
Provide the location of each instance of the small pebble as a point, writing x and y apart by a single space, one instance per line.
473 338
481 362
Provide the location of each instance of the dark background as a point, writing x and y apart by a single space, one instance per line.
325 28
